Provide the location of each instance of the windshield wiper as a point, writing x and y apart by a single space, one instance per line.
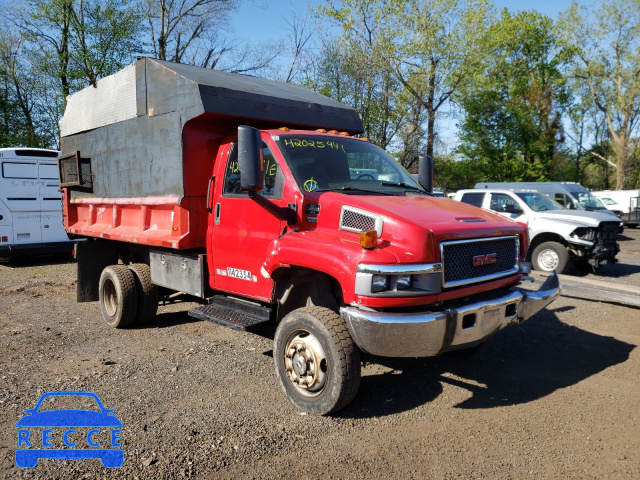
352 189
402 184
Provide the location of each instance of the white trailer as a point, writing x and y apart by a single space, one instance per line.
30 203
626 201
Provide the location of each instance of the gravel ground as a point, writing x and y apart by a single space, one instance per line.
554 398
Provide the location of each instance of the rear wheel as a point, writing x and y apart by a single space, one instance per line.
550 256
118 296
147 293
317 363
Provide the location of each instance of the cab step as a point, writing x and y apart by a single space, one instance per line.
232 313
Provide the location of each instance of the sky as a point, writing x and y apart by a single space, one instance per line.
262 20
265 20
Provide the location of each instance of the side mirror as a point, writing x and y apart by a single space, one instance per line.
511 208
425 172
572 206
250 162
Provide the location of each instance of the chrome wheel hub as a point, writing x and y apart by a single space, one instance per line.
305 362
548 260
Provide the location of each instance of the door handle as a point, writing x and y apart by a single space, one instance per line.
209 193
216 217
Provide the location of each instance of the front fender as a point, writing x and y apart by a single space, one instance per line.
333 255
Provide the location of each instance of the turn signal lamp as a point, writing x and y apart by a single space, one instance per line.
321 130
369 239
284 129
346 134
333 131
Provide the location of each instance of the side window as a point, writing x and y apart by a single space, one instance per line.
503 203
273 181
559 197
474 199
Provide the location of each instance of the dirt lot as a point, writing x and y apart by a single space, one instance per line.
555 398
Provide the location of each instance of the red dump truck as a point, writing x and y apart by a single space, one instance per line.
257 198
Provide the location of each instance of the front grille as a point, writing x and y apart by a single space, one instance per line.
609 231
460 268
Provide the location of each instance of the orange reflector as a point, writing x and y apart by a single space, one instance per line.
5 239
284 129
369 239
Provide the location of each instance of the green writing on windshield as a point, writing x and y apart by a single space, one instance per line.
303 143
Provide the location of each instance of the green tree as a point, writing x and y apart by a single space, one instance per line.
23 121
513 110
83 40
347 75
606 57
67 45
430 47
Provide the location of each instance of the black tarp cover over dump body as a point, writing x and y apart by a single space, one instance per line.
133 125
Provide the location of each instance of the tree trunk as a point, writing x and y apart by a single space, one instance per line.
621 160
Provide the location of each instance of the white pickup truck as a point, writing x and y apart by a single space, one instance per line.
556 235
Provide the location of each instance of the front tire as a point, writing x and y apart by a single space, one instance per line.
317 362
550 256
118 296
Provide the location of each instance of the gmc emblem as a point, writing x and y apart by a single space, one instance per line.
487 259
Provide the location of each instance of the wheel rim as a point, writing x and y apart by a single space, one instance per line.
306 363
548 260
110 298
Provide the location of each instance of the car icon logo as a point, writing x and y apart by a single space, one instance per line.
69 433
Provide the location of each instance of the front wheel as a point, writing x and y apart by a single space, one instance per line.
317 363
550 256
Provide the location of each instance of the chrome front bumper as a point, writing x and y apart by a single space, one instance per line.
427 334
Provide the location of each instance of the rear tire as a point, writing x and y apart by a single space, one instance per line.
147 293
550 256
118 296
317 362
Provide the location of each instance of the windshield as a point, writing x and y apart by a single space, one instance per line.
328 163
588 201
538 202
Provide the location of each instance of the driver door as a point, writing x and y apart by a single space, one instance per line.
243 231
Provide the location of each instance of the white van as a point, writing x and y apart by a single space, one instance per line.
30 203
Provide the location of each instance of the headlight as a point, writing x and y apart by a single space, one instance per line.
379 283
398 280
585 233
404 282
